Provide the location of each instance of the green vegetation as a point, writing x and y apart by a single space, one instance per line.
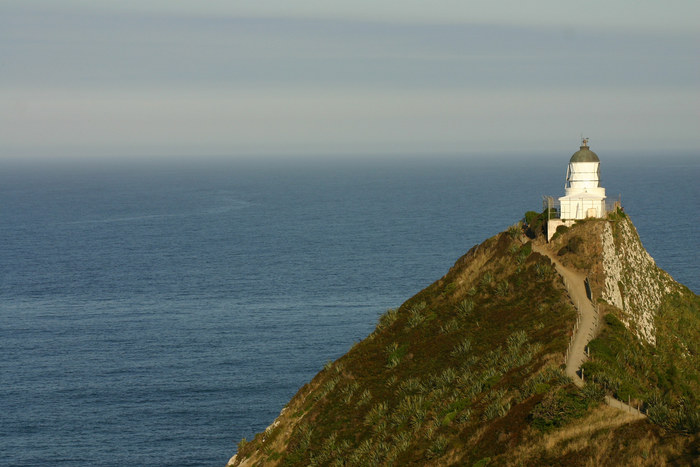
515 230
561 406
617 214
573 245
663 379
469 372
535 224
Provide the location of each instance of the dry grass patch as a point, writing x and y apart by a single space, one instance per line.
573 437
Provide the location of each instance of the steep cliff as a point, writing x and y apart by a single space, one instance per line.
471 369
633 283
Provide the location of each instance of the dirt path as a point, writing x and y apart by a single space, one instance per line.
575 283
587 315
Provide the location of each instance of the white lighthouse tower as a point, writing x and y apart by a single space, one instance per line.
584 196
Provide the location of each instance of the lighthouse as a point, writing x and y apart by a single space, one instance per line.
584 197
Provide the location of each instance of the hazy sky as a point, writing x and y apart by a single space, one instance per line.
236 78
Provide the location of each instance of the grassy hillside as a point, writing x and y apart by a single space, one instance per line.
469 372
663 379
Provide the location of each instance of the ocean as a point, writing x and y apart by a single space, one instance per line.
156 313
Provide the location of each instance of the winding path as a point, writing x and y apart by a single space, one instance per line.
575 283
587 315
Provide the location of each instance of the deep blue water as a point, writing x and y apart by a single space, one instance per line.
155 314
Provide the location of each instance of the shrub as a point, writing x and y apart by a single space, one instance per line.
617 214
376 414
242 444
438 448
388 318
401 442
446 378
517 339
486 279
574 245
329 450
464 416
362 454
495 409
327 388
415 318
462 348
394 354
531 216
593 392
557 408
465 307
410 386
523 253
534 223
348 391
543 271
450 326
365 397
502 289
301 437
514 230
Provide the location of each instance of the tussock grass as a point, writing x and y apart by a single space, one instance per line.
349 391
465 307
415 318
410 386
462 348
450 326
387 319
364 398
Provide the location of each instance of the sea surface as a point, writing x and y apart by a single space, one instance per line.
157 313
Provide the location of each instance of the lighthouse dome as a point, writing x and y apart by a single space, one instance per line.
584 154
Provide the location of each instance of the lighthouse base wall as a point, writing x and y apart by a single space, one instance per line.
552 225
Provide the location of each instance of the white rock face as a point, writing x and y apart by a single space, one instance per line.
633 282
612 268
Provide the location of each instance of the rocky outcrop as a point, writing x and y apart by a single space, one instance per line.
633 282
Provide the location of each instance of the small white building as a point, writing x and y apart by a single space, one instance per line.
584 197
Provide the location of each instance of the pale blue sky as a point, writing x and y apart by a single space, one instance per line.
224 78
